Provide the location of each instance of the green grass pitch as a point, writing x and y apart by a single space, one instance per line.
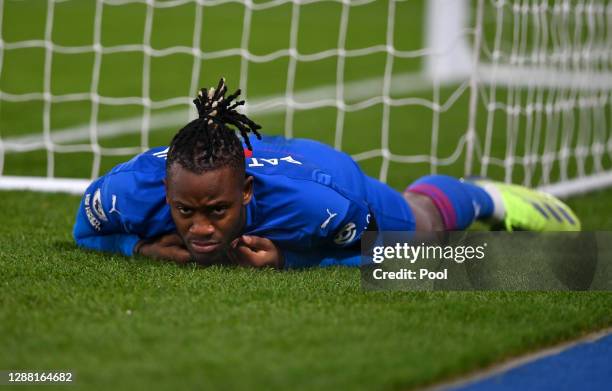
124 323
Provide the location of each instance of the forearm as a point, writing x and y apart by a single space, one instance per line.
321 258
119 243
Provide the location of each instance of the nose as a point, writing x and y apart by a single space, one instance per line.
201 226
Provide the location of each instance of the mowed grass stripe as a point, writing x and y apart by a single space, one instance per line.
124 323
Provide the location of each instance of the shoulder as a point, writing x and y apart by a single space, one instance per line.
308 210
152 160
143 171
300 149
133 185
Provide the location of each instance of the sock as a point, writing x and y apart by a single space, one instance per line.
459 202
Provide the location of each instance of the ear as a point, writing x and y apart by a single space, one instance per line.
247 190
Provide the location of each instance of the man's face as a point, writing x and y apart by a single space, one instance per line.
208 209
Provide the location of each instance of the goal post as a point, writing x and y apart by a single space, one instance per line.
530 79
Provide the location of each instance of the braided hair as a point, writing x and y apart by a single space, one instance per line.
210 141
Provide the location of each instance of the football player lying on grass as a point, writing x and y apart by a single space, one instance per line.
278 202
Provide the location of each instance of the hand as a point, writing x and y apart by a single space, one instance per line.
168 247
256 251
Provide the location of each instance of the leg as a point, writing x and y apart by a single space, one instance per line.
426 215
458 203
433 203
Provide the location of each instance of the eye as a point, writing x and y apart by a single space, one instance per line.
219 210
183 210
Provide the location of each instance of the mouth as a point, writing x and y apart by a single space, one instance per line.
204 247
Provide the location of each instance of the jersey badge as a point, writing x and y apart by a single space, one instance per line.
95 223
97 206
346 234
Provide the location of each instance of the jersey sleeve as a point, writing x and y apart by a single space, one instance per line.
338 224
334 219
99 225
346 228
119 209
321 258
302 215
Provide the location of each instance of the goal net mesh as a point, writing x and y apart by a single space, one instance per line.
514 90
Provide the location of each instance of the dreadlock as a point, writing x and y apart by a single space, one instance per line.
210 141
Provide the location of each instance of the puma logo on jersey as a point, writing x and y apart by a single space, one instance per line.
114 205
331 216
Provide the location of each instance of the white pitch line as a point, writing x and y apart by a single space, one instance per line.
516 362
32 142
354 91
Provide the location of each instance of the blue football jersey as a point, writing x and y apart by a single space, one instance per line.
313 201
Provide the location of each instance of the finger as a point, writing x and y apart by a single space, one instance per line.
166 239
181 256
247 240
245 251
245 256
257 243
173 240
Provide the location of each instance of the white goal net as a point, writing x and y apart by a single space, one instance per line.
517 90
